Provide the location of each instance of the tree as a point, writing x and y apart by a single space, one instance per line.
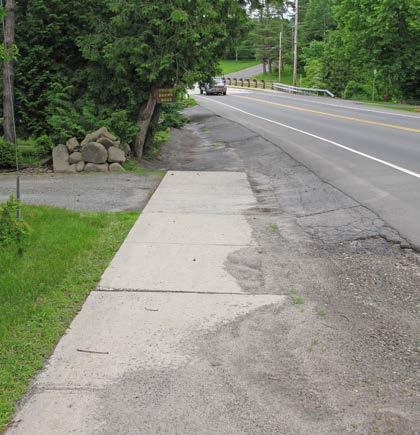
147 45
8 72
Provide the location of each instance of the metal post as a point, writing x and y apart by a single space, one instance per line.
280 54
373 85
295 42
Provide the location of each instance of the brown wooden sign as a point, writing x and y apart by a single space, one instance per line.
165 95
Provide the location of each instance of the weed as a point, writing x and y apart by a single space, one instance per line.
320 312
274 228
312 344
135 167
217 145
296 298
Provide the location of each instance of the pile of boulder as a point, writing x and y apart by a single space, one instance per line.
99 151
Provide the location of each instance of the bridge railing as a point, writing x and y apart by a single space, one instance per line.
267 84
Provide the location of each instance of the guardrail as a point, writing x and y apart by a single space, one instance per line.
266 84
300 90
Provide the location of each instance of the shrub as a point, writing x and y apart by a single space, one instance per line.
355 90
7 154
44 144
12 228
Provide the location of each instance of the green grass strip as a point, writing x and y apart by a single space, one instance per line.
41 292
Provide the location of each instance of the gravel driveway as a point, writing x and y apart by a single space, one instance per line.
94 192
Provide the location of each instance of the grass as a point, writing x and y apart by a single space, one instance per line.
231 66
286 76
64 256
135 167
394 106
274 228
296 298
320 312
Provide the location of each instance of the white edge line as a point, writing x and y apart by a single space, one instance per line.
368 156
364 109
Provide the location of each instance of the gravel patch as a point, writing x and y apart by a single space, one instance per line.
89 192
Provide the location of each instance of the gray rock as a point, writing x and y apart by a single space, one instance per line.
106 133
94 152
108 143
116 167
75 157
115 155
73 145
96 135
72 168
80 166
60 158
126 148
93 137
92 167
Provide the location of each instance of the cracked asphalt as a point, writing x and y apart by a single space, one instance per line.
341 356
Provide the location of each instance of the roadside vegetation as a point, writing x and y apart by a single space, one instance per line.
41 290
358 49
111 72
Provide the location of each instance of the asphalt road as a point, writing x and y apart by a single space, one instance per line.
373 155
247 72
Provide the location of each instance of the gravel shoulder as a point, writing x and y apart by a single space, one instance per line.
87 192
341 355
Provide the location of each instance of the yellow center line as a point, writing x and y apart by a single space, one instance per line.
333 115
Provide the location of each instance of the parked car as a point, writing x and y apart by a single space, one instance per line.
215 86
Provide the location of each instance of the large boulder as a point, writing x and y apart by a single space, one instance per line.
73 145
108 143
72 168
92 167
96 135
94 152
80 166
60 158
115 155
75 157
116 167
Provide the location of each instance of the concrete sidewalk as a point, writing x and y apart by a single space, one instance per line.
127 362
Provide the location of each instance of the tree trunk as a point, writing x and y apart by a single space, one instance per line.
270 66
8 73
144 119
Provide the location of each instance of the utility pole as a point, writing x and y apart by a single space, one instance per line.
295 42
280 55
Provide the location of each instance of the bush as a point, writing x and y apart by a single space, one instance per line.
12 229
356 90
7 155
44 144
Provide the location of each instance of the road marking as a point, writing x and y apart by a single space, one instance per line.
391 112
368 156
333 115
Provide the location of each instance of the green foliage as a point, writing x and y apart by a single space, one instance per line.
368 35
12 228
159 136
8 154
62 116
44 144
355 90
